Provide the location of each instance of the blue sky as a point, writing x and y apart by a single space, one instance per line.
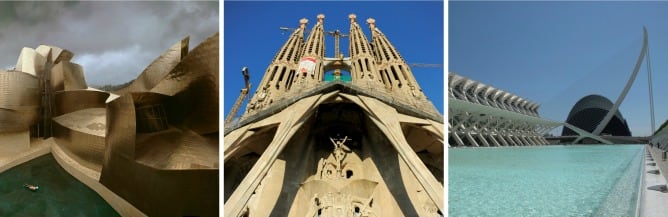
555 53
252 37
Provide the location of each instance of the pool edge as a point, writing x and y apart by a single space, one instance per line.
42 147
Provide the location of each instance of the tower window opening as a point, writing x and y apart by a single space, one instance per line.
394 73
280 77
389 80
382 76
349 173
403 72
288 82
357 49
273 72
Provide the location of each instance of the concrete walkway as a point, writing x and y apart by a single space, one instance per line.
38 147
653 203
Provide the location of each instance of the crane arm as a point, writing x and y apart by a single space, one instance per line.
242 95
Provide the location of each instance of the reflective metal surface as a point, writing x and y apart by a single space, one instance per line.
81 135
157 70
19 100
67 76
155 146
161 144
71 101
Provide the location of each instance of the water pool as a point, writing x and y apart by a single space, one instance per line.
580 180
59 193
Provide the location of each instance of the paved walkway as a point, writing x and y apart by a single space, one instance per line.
38 147
653 203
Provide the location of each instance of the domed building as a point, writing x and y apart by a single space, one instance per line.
589 111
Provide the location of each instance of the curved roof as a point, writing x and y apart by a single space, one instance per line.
593 101
589 111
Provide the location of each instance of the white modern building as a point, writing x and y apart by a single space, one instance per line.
482 115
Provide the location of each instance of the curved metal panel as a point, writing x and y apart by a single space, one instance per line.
154 190
151 113
19 100
159 68
75 100
193 85
67 76
81 134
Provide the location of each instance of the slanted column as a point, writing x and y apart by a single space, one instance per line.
458 139
494 142
503 141
471 140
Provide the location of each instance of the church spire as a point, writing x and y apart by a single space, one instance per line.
310 69
361 54
279 75
393 68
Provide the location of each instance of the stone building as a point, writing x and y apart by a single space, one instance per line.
310 145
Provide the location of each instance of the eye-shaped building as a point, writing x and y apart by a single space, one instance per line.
588 112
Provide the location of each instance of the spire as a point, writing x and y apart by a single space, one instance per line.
280 73
310 69
393 68
361 54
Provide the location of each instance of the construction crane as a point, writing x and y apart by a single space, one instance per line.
242 96
285 29
425 65
337 35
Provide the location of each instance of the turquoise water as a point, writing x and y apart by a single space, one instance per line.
59 193
596 180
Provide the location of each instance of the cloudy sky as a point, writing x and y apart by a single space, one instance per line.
113 41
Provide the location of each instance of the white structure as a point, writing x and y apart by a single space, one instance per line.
482 115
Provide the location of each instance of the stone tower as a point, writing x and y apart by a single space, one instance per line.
309 145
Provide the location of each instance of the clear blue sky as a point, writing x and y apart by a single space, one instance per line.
252 37
555 53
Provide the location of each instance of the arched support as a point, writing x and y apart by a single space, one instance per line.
629 83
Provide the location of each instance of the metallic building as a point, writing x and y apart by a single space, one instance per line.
161 147
19 100
155 144
482 115
309 146
589 111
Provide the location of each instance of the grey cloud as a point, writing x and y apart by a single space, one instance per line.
113 41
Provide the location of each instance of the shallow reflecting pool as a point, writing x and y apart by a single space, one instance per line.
593 180
59 193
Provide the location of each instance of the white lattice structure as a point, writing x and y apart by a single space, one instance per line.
482 115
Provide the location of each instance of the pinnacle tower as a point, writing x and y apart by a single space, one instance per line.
313 144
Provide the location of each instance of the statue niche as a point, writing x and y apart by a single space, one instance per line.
339 187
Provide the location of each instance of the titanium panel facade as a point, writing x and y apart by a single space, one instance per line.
19 101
